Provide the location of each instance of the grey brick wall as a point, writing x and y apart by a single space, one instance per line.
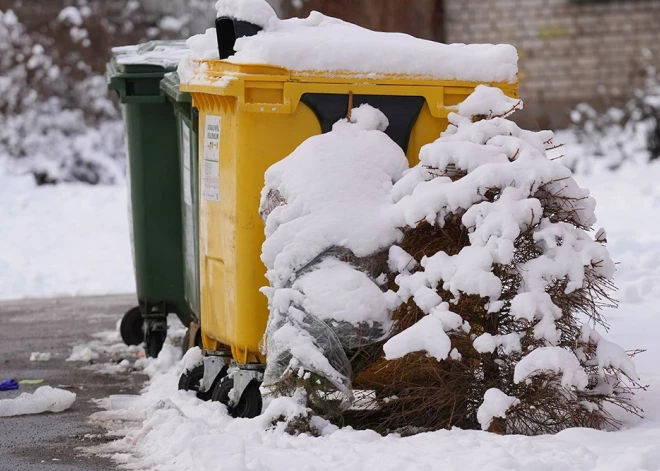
569 52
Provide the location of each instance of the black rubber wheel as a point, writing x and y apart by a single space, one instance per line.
154 342
191 380
131 327
248 406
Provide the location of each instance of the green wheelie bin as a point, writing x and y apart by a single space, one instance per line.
187 125
155 182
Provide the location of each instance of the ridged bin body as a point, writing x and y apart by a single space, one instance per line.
250 117
154 182
187 126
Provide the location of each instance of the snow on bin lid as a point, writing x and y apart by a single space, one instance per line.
322 43
164 54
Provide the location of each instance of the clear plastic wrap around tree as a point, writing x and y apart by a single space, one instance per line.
328 231
465 291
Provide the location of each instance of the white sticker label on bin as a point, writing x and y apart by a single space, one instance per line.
211 170
187 184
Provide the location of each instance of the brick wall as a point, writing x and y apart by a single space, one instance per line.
569 52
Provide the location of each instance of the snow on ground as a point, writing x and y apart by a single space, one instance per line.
63 240
73 239
121 358
171 430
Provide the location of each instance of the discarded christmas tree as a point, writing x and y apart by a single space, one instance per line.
499 286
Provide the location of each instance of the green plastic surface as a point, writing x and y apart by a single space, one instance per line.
188 153
155 179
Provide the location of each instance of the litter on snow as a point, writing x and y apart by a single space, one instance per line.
38 356
30 382
44 399
82 353
8 385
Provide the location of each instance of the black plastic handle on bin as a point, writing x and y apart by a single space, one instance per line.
228 30
401 111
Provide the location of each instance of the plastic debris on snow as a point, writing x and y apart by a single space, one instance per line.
44 399
125 401
38 356
30 382
321 43
82 353
8 385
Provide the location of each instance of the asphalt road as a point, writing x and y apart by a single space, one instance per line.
51 442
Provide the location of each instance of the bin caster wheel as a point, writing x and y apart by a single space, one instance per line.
131 327
154 341
190 381
186 340
248 406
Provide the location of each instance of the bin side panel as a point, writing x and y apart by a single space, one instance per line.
188 156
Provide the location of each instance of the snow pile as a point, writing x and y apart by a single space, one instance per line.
322 247
487 242
82 353
44 399
321 43
495 404
165 54
173 430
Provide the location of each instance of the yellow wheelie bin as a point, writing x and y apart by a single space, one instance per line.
250 117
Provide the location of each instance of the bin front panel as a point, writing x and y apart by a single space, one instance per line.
231 230
258 124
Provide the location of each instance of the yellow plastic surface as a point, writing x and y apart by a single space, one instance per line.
262 121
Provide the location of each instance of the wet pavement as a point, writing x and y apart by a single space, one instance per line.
51 442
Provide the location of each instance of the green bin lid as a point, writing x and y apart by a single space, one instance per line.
135 71
170 85
153 57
